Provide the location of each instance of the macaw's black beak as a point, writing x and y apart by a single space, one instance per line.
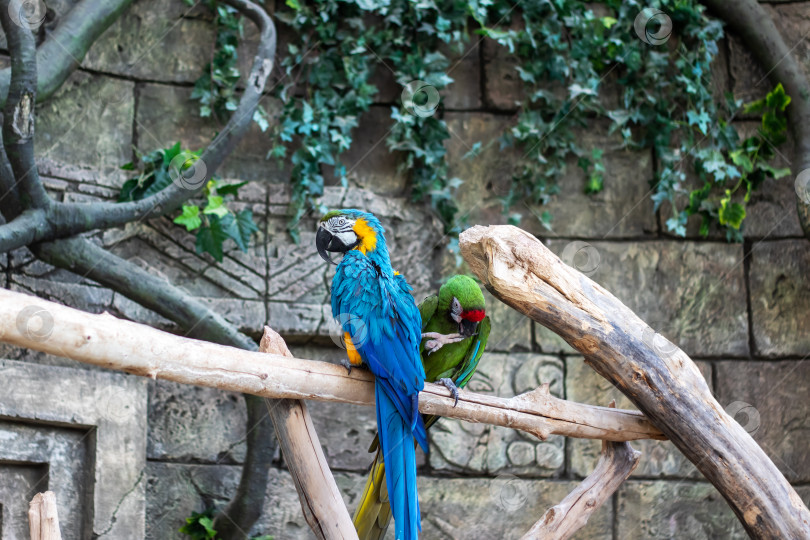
326 242
468 328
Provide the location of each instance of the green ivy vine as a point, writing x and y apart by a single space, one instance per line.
211 219
656 56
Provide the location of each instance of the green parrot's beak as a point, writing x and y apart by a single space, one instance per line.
326 242
468 328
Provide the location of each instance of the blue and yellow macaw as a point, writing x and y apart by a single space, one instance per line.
455 330
382 330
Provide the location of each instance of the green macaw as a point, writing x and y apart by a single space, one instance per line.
455 329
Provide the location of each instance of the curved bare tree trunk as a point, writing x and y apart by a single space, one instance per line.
669 389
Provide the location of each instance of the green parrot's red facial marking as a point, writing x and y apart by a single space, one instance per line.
473 315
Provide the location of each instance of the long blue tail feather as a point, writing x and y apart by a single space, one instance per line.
399 452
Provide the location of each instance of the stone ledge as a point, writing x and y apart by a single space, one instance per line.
111 409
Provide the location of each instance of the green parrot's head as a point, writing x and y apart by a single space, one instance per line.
340 231
462 300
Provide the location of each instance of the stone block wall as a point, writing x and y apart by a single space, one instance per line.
740 310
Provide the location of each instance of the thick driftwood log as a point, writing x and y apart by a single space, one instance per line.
319 495
518 269
43 521
106 341
616 463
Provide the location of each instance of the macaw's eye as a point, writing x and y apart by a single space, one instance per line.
341 221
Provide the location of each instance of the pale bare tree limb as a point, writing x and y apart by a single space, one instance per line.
106 341
43 520
519 270
616 462
86 259
319 495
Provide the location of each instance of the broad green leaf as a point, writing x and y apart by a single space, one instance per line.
608 22
594 184
190 218
171 153
239 227
229 189
216 206
211 238
731 214
777 99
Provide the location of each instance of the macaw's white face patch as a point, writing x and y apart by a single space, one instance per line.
455 310
342 228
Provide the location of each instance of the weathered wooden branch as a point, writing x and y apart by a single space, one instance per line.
109 342
560 522
42 517
83 257
319 495
519 270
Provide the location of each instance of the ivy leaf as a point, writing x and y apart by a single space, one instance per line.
731 214
170 153
608 22
240 228
162 180
740 158
190 218
701 120
216 206
128 190
755 107
211 238
775 173
595 184
777 99
229 189
208 523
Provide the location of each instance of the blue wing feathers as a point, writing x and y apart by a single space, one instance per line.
390 348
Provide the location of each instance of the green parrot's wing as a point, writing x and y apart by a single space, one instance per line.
467 367
427 308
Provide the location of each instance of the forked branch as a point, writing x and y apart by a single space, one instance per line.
669 389
319 495
616 462
112 343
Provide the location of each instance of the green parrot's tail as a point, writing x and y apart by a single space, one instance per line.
373 513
